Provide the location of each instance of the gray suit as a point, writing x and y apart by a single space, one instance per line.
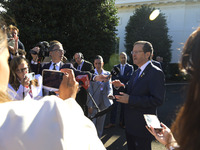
100 92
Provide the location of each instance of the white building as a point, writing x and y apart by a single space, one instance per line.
183 17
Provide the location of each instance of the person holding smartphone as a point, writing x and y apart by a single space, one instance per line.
20 86
13 41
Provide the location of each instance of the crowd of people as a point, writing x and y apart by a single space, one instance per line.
56 124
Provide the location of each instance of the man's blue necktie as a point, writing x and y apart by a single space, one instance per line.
137 75
79 68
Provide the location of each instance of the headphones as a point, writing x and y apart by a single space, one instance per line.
81 55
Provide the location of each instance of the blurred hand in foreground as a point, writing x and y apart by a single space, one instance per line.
164 136
69 86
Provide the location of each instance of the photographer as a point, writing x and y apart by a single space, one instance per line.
35 65
48 124
13 41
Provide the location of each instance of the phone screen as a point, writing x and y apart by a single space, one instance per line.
152 120
51 79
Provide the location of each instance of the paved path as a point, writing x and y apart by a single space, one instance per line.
114 138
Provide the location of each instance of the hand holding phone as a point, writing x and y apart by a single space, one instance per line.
164 136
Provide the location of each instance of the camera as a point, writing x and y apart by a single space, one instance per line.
44 49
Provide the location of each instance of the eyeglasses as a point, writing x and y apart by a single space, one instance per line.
59 50
136 52
22 70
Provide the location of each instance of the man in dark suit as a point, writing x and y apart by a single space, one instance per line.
56 52
142 95
82 65
126 71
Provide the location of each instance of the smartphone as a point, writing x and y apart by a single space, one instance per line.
51 79
152 120
31 76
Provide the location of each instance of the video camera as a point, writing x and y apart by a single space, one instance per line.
44 49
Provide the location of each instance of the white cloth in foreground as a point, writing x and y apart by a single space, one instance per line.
48 124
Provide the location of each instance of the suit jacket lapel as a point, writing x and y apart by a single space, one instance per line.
148 67
131 82
125 69
48 65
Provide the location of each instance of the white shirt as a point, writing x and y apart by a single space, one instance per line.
34 62
122 68
80 65
57 66
48 124
143 67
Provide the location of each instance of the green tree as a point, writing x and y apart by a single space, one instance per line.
140 27
80 25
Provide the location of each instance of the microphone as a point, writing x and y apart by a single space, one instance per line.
83 80
115 71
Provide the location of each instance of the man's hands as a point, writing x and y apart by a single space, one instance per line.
117 83
69 86
122 98
90 110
